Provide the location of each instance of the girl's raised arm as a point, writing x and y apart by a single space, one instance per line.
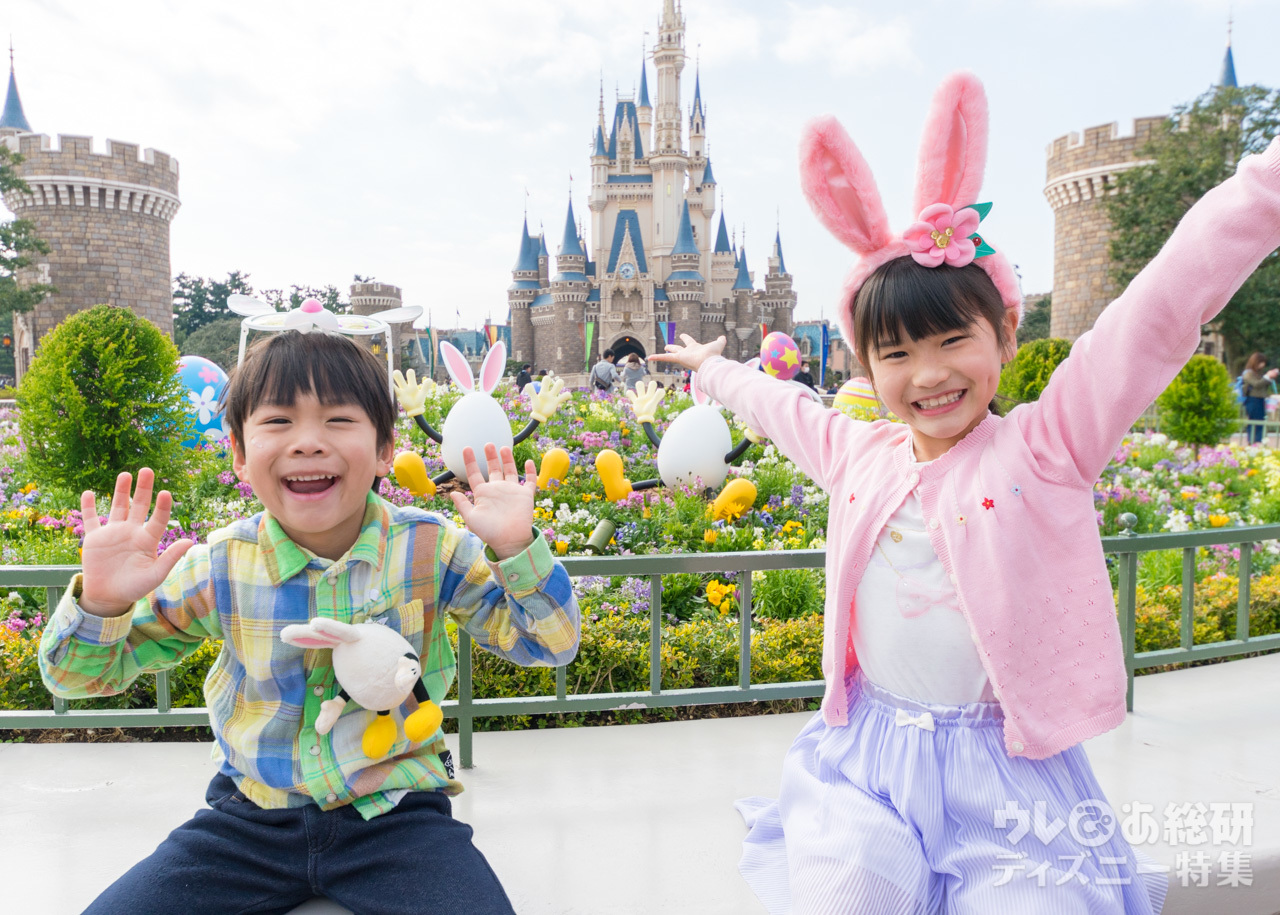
1145 337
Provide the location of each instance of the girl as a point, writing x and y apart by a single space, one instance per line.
971 638
1256 386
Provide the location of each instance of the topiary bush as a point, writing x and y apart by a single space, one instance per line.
1198 407
1025 376
102 395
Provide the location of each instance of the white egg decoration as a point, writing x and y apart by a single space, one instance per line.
475 420
694 447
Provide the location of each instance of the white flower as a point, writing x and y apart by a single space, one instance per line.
204 403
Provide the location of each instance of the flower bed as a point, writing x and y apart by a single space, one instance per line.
1167 487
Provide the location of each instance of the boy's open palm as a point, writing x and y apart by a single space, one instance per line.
502 514
119 557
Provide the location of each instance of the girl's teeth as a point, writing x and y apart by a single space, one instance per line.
940 401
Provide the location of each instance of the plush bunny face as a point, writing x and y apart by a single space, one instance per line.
375 664
476 419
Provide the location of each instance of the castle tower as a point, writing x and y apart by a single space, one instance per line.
520 295
667 157
371 298
644 111
106 218
739 319
686 288
569 289
13 121
779 297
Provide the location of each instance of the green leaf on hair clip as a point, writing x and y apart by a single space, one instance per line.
982 208
980 247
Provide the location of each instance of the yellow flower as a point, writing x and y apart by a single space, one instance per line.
757 544
562 547
1250 472
1219 520
646 513
709 536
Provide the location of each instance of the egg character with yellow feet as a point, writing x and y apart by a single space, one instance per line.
474 421
696 450
377 668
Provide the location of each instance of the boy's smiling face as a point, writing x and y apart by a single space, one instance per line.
312 465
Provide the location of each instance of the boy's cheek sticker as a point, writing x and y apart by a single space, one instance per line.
255 443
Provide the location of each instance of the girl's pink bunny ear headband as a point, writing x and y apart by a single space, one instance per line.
953 155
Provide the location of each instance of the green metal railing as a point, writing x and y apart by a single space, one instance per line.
1125 547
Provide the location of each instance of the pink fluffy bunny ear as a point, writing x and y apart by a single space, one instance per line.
456 365
953 150
840 188
493 367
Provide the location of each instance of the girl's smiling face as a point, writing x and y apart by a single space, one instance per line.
941 385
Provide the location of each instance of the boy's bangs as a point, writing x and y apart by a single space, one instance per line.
294 372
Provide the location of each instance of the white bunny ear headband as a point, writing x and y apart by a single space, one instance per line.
953 155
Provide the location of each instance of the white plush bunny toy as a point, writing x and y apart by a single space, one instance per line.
476 420
376 667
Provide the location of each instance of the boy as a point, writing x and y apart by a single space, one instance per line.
296 814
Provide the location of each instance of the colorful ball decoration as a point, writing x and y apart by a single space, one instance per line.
857 398
205 382
779 356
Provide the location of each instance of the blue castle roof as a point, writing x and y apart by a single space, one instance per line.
684 235
600 149
542 244
1227 79
570 247
777 250
722 237
660 295
697 97
13 116
628 223
528 257
626 111
744 276
707 176
593 295
644 87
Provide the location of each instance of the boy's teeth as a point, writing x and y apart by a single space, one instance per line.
940 401
308 477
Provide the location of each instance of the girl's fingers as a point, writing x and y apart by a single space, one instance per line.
509 464
463 505
494 462
530 476
141 503
89 510
169 558
471 467
120 498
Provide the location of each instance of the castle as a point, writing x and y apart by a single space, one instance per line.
1081 172
106 218
654 253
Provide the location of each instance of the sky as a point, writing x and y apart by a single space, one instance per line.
403 140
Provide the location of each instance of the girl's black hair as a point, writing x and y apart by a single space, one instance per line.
903 297
338 371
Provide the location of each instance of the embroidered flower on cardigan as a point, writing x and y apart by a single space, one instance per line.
988 504
1016 490
961 519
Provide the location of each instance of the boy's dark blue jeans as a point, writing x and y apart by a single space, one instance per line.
237 857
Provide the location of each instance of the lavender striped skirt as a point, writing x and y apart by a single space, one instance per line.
890 817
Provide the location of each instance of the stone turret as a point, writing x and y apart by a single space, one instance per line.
371 298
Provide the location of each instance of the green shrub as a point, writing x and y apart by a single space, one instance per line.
1025 376
784 594
1198 406
102 396
218 341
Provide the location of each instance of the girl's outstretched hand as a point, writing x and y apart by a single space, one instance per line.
691 354
502 514
119 558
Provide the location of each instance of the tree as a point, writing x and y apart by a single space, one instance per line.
1035 321
1197 149
1024 378
198 301
1198 407
330 297
217 341
18 242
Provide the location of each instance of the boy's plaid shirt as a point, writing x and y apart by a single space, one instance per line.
407 568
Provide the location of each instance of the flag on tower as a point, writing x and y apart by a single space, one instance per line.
826 348
491 334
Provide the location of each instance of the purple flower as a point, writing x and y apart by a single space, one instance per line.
797 496
245 490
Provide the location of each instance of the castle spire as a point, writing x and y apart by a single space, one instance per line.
1228 78
684 237
777 252
722 237
744 275
570 246
697 93
13 118
644 86
528 256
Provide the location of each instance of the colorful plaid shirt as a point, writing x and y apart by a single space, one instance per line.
407 568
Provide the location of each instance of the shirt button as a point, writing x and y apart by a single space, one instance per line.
933 524
374 594
1016 746
315 751
331 797
952 576
319 690
915 478
513 577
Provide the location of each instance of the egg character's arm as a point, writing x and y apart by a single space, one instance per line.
543 405
412 395
644 400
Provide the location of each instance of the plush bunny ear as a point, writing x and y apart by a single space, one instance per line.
493 367
953 150
699 397
456 364
306 637
840 188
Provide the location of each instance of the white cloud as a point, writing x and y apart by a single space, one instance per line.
844 39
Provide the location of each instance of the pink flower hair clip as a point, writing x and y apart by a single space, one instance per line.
953 153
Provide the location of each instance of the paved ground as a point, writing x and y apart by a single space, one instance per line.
639 820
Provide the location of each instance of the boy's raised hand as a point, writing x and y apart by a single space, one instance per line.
691 354
502 514
119 558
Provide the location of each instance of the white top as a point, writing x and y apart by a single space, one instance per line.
907 629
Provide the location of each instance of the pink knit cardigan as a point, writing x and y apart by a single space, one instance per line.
1010 508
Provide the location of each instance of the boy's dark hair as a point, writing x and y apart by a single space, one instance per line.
607 354
525 367
280 367
902 296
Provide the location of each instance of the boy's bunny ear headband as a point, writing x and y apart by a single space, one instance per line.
953 155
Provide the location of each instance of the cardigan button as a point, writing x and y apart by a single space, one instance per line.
933 524
1017 746
914 479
